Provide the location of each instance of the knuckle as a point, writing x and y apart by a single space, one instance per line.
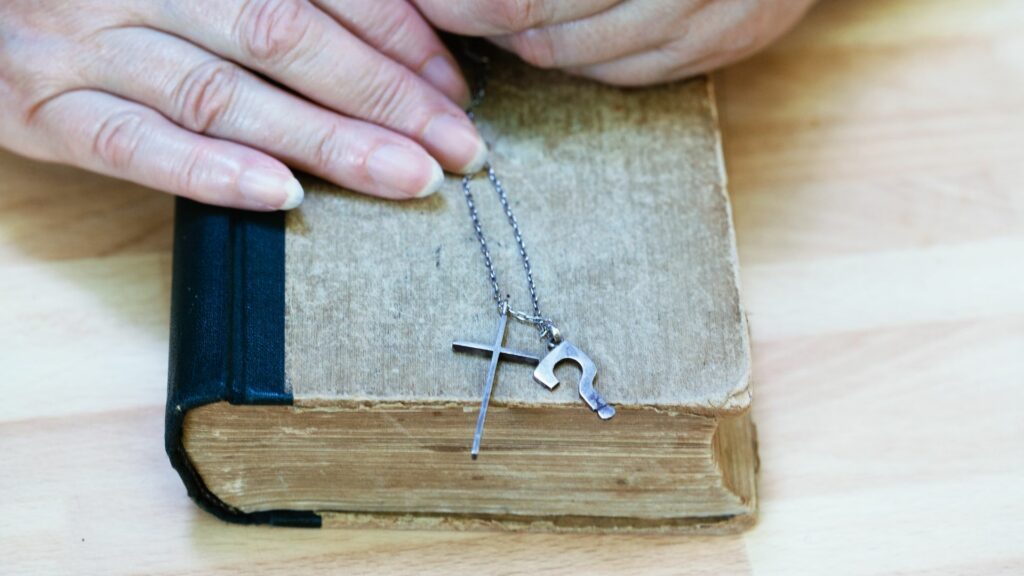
11 71
117 138
385 94
326 147
678 52
537 47
273 30
191 176
204 95
31 71
518 15
332 152
393 29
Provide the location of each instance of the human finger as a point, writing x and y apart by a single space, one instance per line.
601 38
719 33
106 134
496 17
398 30
299 46
647 68
208 95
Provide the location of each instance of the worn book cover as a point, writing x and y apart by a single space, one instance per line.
312 374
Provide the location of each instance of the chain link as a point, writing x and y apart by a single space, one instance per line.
544 325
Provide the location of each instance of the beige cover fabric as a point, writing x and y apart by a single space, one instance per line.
621 198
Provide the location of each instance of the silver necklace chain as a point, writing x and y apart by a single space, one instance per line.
544 325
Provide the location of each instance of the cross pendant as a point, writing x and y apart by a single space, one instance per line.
496 352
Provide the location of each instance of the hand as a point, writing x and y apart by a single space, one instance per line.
209 100
627 42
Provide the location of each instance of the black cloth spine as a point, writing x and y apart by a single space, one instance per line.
227 332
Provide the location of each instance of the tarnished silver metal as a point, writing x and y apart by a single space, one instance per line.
545 374
554 337
560 350
486 350
542 324
497 352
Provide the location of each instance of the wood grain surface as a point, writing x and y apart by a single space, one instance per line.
876 158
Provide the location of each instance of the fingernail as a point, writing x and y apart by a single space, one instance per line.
458 141
271 188
404 172
443 73
436 179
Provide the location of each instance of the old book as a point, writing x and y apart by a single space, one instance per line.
312 375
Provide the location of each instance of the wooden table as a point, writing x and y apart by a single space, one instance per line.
876 159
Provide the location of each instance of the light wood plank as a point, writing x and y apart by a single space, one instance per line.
875 157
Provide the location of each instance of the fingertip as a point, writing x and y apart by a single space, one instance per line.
436 179
269 188
402 172
456 143
295 194
478 161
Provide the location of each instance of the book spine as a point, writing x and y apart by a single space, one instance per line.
227 331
